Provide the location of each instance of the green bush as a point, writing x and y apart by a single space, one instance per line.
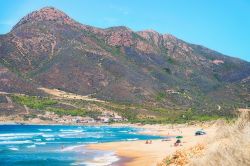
74 112
161 96
34 102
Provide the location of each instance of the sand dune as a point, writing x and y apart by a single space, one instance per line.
230 146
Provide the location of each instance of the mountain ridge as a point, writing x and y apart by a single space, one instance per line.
52 14
50 49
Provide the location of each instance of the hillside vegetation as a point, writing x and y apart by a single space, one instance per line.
132 112
143 74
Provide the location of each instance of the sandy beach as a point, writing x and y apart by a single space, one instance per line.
137 153
142 154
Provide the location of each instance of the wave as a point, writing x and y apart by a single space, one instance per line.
123 131
44 129
19 134
71 130
11 138
91 142
40 143
69 135
31 146
132 139
15 137
104 160
16 142
81 135
73 148
47 135
49 139
13 148
94 134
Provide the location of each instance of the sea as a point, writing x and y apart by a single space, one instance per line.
61 145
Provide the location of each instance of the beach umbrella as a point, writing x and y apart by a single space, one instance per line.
178 137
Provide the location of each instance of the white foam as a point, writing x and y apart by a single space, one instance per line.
49 139
123 131
31 146
16 142
70 131
132 139
73 148
40 143
13 148
93 142
104 160
47 135
15 137
44 129
94 135
69 135
19 134
108 132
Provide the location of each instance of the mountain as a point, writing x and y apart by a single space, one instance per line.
48 48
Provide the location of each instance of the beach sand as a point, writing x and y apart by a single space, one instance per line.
141 154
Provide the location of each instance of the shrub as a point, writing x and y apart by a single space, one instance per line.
34 102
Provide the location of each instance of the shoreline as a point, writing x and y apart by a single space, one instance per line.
152 154
136 152
147 127
122 161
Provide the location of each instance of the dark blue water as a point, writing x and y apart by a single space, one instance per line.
52 145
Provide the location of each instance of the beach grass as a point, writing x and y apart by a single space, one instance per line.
228 147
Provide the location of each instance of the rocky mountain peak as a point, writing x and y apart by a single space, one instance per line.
119 36
46 14
119 28
49 49
151 35
150 32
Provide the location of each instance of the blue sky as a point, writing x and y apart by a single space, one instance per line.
222 25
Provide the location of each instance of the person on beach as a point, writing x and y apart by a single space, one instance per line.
177 143
148 142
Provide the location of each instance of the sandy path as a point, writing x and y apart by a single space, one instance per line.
67 95
150 154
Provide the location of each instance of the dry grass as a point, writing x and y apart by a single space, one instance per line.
230 146
182 157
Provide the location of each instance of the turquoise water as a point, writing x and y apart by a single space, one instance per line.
58 145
